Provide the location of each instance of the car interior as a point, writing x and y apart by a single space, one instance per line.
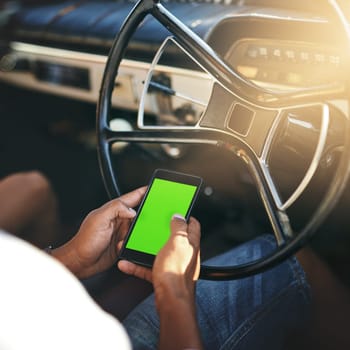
251 95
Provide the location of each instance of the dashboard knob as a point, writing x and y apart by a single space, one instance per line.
7 62
10 62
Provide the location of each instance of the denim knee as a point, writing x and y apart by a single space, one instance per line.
238 314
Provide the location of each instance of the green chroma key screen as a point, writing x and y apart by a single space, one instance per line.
152 228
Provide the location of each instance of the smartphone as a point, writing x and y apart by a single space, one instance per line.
168 193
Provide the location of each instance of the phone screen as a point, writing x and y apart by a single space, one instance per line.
169 193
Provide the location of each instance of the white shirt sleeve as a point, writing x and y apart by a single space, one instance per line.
43 306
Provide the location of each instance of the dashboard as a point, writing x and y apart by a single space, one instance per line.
60 49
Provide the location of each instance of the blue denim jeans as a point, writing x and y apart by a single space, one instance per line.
257 312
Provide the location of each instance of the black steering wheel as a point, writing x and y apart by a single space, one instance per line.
263 108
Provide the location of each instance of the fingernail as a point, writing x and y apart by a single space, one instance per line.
132 210
179 216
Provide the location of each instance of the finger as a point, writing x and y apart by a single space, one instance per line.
194 232
133 198
119 244
178 224
114 209
122 207
135 270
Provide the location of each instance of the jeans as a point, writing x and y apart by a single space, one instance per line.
256 312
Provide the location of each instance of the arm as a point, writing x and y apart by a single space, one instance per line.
175 272
174 275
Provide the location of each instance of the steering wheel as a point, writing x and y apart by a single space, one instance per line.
264 108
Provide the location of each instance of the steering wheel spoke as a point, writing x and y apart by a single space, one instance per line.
163 135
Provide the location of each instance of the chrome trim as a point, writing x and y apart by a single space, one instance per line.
275 222
154 63
87 57
131 75
263 160
174 140
344 21
313 164
61 53
281 17
315 160
187 98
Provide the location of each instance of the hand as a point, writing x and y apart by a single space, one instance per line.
177 263
95 247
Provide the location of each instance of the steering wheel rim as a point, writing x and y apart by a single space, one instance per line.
288 242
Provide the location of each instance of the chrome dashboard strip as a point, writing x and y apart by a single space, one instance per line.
130 78
87 57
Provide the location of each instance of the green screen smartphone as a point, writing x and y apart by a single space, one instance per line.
168 193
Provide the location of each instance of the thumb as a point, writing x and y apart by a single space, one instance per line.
178 223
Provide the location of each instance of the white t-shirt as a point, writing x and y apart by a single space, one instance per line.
43 306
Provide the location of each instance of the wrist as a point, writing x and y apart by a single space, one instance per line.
174 305
168 295
66 255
